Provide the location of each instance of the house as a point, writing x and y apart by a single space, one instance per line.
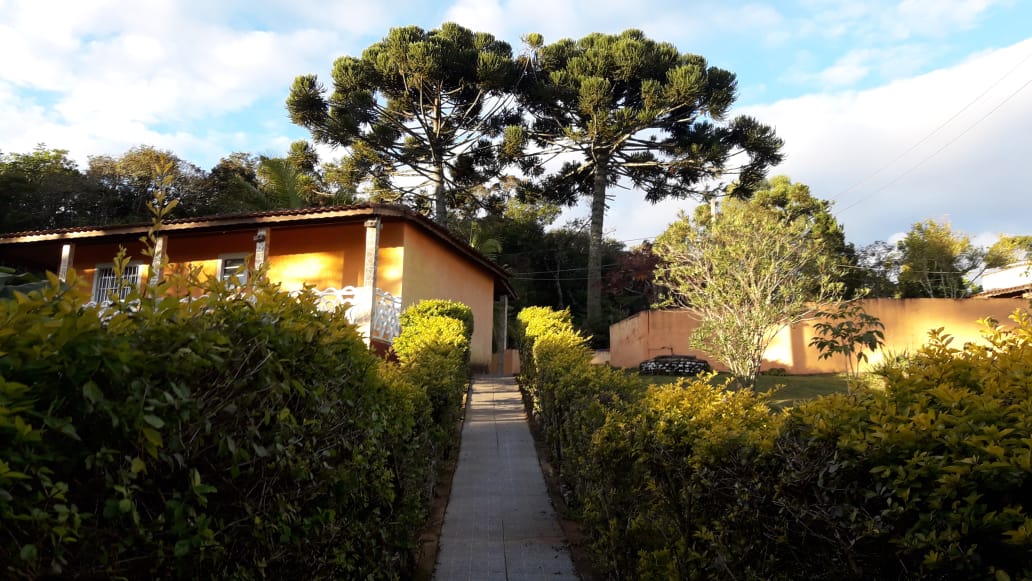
378 258
1012 281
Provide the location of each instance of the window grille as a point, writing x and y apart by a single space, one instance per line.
106 282
234 270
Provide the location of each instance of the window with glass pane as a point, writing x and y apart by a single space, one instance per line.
234 270
106 282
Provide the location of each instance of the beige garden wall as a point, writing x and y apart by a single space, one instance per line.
907 322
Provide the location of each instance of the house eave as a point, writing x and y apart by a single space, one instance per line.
304 216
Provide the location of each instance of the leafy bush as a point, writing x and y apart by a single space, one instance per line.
531 323
433 352
568 395
946 450
662 500
930 479
440 308
12 281
240 435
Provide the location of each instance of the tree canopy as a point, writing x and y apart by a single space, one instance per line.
793 201
416 112
1009 250
936 262
747 272
39 190
627 108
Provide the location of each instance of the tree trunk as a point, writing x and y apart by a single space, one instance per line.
440 204
595 231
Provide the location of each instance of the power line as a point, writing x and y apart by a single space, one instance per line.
921 141
944 146
936 130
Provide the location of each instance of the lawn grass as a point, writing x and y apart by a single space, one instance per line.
791 389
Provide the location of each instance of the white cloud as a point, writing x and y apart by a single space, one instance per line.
938 17
99 77
888 21
481 15
886 63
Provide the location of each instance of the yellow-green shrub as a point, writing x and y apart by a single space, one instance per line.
439 308
533 322
433 354
946 450
931 479
569 396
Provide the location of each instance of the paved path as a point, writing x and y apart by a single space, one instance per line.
500 524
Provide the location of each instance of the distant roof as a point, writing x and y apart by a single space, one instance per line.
1013 292
299 216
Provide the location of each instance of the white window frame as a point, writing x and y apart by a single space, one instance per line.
240 275
101 291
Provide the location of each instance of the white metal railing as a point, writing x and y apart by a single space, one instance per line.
387 323
385 326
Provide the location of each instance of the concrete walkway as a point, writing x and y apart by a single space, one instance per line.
500 523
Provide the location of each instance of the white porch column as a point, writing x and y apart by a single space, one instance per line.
156 261
67 256
261 239
369 275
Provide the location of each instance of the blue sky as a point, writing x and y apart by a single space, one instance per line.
897 110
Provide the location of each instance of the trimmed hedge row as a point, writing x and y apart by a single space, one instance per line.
433 352
929 479
241 435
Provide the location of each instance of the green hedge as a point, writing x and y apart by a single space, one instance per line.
569 396
433 351
440 308
929 479
242 435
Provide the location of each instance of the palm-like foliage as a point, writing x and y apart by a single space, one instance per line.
283 185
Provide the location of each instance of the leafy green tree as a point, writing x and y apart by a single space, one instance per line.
848 331
628 108
416 112
747 273
126 184
41 189
1009 250
878 266
283 184
794 200
233 187
937 262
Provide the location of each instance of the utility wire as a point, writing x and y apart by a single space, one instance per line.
943 147
934 131
931 134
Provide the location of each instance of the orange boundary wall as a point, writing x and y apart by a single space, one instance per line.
907 322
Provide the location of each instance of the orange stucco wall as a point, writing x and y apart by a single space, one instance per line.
88 255
324 256
906 321
203 250
434 271
391 259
